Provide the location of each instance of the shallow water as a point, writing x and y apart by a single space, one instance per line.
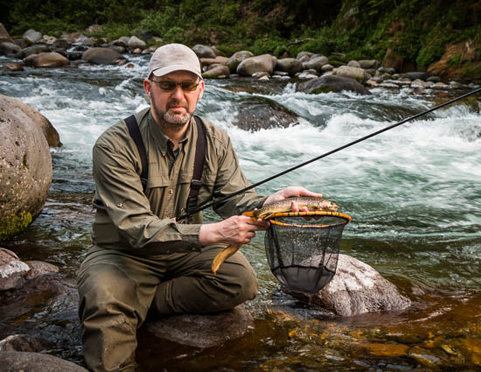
413 193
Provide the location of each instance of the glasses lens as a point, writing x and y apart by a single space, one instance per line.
170 85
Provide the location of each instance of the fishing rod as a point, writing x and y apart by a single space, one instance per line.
212 203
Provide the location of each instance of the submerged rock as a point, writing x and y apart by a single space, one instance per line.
12 270
357 289
204 330
15 361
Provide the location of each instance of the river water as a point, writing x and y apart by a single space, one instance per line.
413 194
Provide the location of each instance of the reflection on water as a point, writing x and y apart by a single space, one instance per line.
413 193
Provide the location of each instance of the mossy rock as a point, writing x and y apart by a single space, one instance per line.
322 89
13 225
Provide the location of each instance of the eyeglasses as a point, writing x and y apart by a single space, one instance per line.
169 86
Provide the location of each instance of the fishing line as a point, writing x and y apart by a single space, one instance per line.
210 204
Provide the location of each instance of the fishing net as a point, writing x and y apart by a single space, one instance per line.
303 247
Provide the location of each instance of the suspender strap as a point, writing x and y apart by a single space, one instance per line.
198 162
137 137
198 166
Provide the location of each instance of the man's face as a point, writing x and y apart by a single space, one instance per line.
172 104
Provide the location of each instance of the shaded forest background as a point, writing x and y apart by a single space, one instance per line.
415 31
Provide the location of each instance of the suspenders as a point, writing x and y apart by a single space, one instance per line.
198 163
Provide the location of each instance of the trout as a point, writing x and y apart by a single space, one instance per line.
312 204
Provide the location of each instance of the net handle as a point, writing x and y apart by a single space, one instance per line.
344 216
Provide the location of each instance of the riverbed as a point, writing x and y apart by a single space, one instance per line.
412 192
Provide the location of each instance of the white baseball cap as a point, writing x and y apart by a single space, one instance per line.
174 57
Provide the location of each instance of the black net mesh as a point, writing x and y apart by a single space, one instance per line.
303 254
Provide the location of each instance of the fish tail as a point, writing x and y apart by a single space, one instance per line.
224 255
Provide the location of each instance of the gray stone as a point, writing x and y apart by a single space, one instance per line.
16 361
354 64
357 289
135 42
20 342
315 63
434 79
332 83
356 73
203 51
369 64
387 70
102 56
12 270
32 36
262 63
203 331
290 65
46 60
216 71
237 58
34 49
9 49
38 268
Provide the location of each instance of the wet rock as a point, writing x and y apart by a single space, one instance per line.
13 66
304 56
262 63
357 289
203 51
290 65
262 113
102 56
217 71
46 60
38 268
332 83
234 61
415 75
25 166
24 343
9 49
34 49
203 331
15 361
12 270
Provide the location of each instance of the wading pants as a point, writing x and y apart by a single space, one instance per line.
117 290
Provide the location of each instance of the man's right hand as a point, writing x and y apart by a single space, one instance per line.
234 230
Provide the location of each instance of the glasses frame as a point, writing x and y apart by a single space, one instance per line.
186 87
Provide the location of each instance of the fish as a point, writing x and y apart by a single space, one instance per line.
312 204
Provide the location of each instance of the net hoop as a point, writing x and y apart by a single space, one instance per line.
345 218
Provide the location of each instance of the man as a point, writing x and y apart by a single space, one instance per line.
143 260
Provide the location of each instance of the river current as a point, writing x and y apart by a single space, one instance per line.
412 192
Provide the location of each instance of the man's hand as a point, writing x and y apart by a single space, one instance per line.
291 191
234 230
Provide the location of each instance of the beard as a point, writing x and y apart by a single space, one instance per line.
169 118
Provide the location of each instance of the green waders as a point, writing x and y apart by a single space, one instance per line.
117 290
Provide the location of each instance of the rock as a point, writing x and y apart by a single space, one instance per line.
24 343
203 331
417 75
204 51
34 49
46 60
217 71
135 42
315 63
262 63
355 73
304 56
9 49
308 74
327 68
32 36
237 58
353 64
357 289
13 66
434 79
12 270
101 56
15 361
387 70
25 166
4 36
213 61
263 113
290 65
332 83
420 84
369 63
38 268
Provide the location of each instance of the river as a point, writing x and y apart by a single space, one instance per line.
412 192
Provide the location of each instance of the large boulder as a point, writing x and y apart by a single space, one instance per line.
237 58
217 71
32 35
9 49
34 49
203 51
356 73
252 65
135 42
315 63
102 56
46 60
290 65
4 36
203 331
357 289
25 166
15 361
332 83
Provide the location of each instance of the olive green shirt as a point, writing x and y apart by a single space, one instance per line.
128 219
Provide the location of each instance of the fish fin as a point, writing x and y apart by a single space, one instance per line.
224 255
249 213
